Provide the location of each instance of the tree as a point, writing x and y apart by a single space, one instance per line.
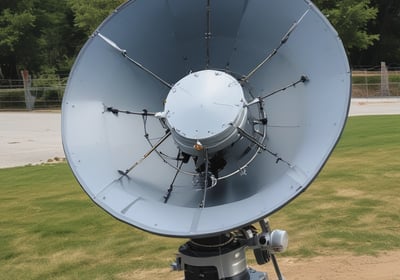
58 37
44 36
89 14
16 25
388 26
351 18
37 35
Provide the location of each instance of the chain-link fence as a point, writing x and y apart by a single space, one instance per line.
371 84
45 93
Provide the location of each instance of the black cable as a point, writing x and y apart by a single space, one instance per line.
117 111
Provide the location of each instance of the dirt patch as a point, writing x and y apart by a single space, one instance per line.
344 267
351 193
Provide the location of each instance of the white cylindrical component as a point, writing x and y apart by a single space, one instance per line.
205 108
279 241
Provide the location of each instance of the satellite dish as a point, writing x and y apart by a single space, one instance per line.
195 118
198 118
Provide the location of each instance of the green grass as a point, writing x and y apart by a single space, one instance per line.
49 228
354 205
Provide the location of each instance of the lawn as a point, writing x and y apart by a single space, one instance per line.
354 205
49 228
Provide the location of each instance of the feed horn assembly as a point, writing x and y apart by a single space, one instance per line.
199 119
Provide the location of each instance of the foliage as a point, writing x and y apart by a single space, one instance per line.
41 35
350 18
89 14
44 36
387 25
14 26
37 35
17 26
12 99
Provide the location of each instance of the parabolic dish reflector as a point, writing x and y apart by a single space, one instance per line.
191 118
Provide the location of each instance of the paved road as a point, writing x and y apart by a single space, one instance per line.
29 138
375 106
35 137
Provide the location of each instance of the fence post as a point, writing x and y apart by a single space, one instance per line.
366 82
384 80
29 99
